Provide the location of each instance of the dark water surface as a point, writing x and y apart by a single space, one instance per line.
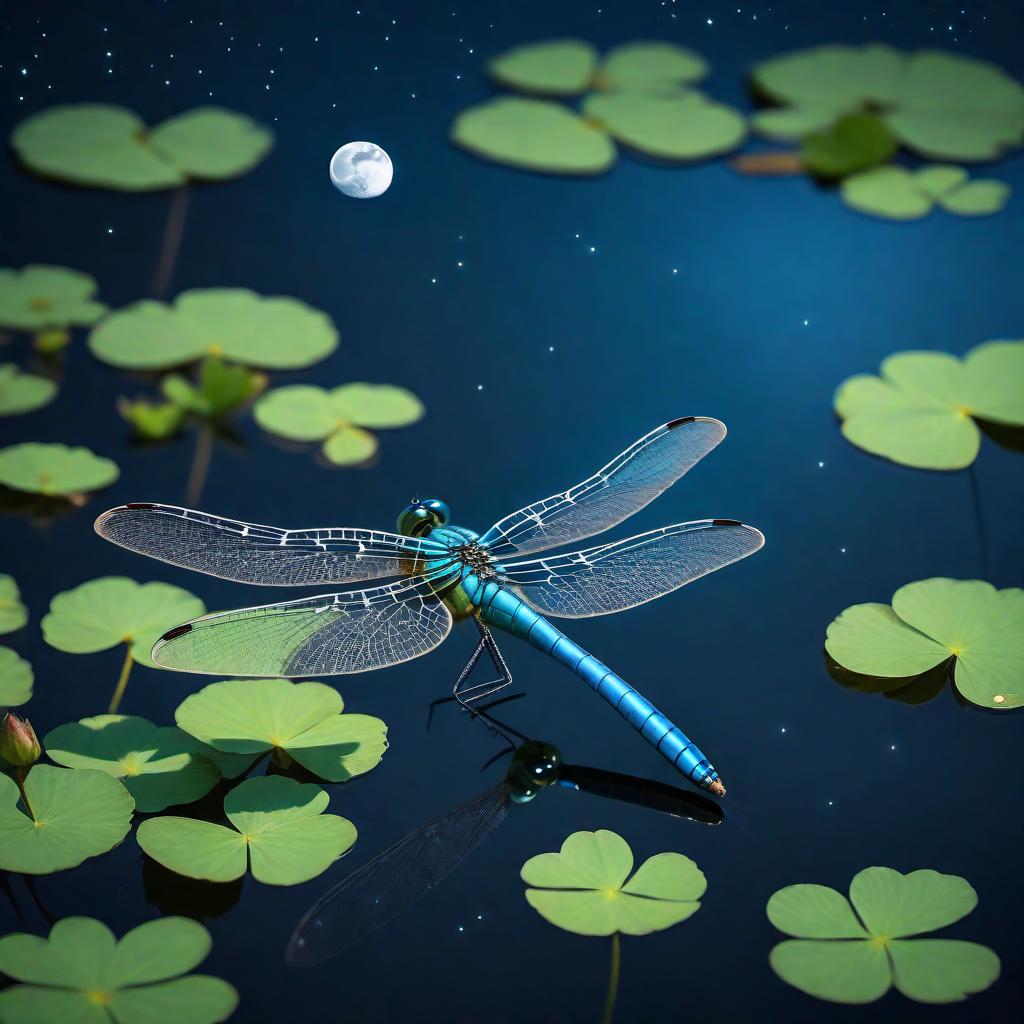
780 293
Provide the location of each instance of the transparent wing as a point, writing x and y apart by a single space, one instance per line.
628 483
331 634
385 886
251 553
613 577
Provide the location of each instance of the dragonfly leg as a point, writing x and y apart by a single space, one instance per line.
467 695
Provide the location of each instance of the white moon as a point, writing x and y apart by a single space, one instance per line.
361 170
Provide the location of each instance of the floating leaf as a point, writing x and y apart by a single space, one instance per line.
682 125
105 146
113 610
919 412
159 766
273 333
583 888
303 720
54 469
75 815
558 67
83 975
23 392
152 421
898 194
280 830
13 614
15 678
932 622
650 65
852 143
837 957
302 412
977 199
41 296
534 135
221 388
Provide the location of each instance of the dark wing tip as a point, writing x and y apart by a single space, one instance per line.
727 522
173 634
679 422
134 506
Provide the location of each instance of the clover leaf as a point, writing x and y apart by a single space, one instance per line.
23 392
246 718
55 470
13 614
72 815
15 678
895 193
83 974
105 146
274 333
158 766
279 830
584 887
337 417
968 623
854 954
39 296
921 411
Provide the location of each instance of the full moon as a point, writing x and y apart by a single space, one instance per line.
361 170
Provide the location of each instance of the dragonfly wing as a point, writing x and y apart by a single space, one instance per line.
250 553
331 634
628 483
385 886
613 577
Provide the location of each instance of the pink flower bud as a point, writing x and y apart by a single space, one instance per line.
18 743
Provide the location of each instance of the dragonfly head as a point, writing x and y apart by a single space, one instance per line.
534 766
419 518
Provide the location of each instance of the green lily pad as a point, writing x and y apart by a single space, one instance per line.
55 469
15 678
13 614
680 125
898 194
41 296
279 830
921 411
583 888
838 957
977 198
158 766
221 388
853 143
75 815
249 717
274 333
104 146
940 105
558 67
83 975
23 392
152 421
113 610
650 65
934 621
337 417
534 135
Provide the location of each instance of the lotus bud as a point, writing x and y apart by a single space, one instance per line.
19 745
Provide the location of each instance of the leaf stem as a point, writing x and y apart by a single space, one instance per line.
122 681
613 981
20 774
200 465
771 162
173 230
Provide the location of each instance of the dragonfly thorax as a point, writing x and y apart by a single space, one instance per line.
476 557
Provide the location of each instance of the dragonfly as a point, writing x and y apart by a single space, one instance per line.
392 881
445 573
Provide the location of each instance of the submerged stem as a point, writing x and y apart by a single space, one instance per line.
122 681
613 981
771 162
200 465
173 230
19 776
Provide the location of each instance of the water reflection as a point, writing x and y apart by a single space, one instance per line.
172 893
919 689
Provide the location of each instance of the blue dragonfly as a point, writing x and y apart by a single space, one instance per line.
448 573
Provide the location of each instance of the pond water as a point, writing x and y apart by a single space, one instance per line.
546 324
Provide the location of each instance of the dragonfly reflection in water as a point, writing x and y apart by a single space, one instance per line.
392 881
449 572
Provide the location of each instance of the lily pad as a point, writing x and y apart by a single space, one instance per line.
931 622
23 392
855 954
41 296
249 717
158 766
920 412
274 333
898 194
83 975
650 65
279 830
220 389
55 469
113 610
13 614
337 417
104 146
584 887
75 815
15 678
939 105
853 143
